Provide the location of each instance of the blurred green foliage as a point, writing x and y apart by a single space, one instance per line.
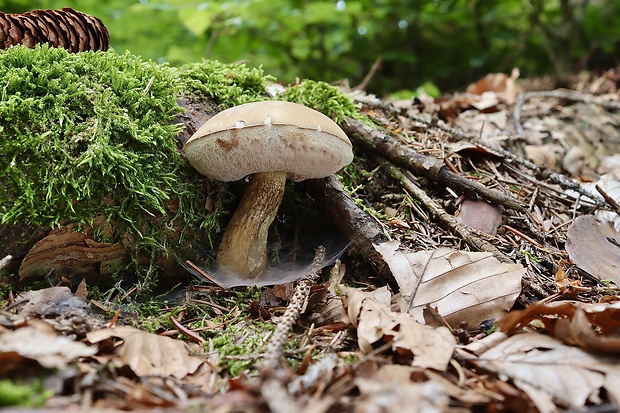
447 42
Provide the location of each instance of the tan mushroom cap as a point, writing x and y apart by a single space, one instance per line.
269 136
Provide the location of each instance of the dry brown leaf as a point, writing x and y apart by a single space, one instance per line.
499 83
400 267
464 286
589 326
51 302
595 247
398 397
552 373
546 155
376 323
49 350
480 215
149 354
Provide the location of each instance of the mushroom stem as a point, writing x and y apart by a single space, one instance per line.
244 245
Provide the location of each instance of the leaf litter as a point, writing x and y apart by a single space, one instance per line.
527 251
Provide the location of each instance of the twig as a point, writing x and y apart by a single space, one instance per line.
297 305
434 169
374 70
187 332
524 237
448 220
540 173
354 223
612 202
206 276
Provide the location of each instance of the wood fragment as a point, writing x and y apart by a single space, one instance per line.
361 228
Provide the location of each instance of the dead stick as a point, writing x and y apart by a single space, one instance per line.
432 168
447 219
206 276
540 173
612 202
361 228
376 66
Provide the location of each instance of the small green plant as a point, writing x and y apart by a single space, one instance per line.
530 256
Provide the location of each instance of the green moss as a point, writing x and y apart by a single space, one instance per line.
21 394
325 98
90 134
228 84
242 337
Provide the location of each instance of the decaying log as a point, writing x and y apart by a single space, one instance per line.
361 228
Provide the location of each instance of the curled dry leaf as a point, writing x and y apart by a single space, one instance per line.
592 327
595 247
551 373
464 286
499 83
376 324
149 354
71 252
399 266
48 349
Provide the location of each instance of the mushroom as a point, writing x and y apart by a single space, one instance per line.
272 140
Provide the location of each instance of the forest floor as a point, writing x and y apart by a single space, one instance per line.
481 276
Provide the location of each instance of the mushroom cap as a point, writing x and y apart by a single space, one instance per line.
269 136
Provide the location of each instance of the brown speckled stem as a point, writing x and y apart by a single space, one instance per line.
244 246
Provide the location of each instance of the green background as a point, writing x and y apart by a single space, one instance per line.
446 42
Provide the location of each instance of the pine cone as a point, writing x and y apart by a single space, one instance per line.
66 28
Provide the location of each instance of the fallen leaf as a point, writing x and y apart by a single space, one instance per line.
47 349
51 302
400 267
592 327
149 354
376 323
464 286
595 247
546 155
480 215
73 253
498 83
552 373
397 397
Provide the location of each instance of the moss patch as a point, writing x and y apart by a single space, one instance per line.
91 134
324 98
228 84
